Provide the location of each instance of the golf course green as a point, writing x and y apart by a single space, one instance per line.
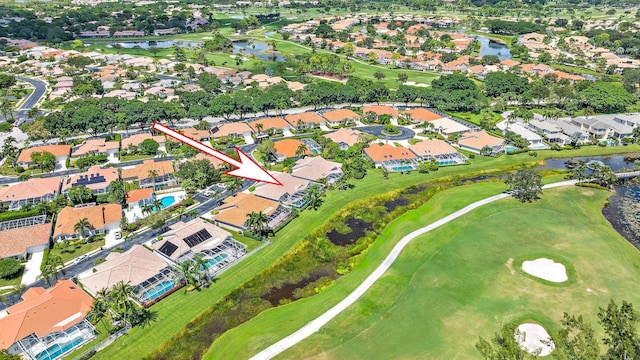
461 280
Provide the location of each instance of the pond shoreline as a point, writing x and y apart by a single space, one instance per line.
620 211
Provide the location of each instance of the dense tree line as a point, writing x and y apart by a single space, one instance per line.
512 27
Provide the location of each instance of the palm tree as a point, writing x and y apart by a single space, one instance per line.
262 223
82 226
252 222
153 175
146 317
50 269
301 150
259 127
200 267
157 204
121 294
189 272
100 308
147 209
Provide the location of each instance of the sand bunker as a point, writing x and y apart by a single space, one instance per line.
546 269
528 337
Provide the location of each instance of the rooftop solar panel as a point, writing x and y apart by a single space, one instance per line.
168 248
197 238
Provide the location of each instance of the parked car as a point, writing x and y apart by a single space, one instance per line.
117 234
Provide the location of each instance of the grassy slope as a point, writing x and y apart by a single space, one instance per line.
461 281
275 323
178 309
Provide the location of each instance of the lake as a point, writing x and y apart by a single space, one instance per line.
261 50
616 162
490 47
163 44
623 208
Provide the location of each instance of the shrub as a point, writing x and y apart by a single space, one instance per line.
252 188
19 169
99 261
9 267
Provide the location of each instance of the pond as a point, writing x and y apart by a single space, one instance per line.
490 47
623 212
286 291
358 228
261 50
163 44
616 162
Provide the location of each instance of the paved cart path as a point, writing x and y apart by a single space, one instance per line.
315 325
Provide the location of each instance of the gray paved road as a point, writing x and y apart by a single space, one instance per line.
71 271
40 87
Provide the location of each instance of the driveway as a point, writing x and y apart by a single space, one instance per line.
32 268
376 130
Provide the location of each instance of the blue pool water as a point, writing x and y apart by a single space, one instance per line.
510 148
446 162
402 168
55 351
157 291
215 260
167 201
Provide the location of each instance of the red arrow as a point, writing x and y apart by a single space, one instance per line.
246 167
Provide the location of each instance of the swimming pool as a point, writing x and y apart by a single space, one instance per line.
157 291
167 201
216 259
446 162
510 148
55 351
402 168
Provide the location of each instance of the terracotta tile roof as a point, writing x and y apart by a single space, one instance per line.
308 117
432 147
56 150
479 139
344 135
384 152
99 178
32 188
141 171
234 209
195 134
134 265
137 139
233 128
44 311
510 63
340 114
423 114
214 161
315 168
139 194
97 215
380 110
14 242
181 230
288 147
99 146
268 123
290 185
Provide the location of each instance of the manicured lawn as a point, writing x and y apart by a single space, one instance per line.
13 281
179 308
76 250
462 281
251 243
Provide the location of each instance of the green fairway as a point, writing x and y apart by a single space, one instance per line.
178 309
462 281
